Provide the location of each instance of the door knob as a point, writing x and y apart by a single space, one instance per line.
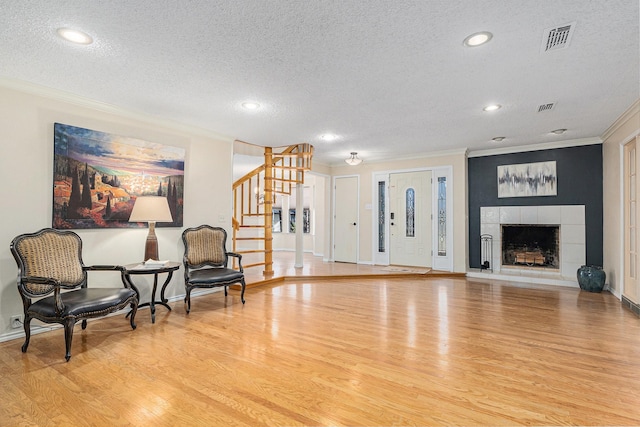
354 223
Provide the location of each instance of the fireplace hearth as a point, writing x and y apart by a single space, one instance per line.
531 245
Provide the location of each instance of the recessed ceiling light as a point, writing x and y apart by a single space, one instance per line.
498 139
75 36
477 39
492 107
559 131
250 105
328 137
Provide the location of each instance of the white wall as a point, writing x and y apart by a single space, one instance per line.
27 116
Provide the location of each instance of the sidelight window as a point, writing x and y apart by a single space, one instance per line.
381 219
442 216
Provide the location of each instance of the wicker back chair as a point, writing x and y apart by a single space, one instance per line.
50 262
206 261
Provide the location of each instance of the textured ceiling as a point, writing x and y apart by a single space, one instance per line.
391 78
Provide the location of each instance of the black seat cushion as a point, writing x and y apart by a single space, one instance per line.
221 275
84 302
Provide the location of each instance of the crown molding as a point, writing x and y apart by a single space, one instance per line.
70 98
429 155
536 147
633 110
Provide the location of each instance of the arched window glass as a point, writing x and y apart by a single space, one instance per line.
410 209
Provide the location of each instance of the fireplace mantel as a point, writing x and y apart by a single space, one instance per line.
570 218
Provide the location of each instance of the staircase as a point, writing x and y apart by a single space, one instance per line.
253 197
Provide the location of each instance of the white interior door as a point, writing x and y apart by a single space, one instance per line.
345 228
410 219
631 229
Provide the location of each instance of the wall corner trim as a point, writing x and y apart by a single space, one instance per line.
632 111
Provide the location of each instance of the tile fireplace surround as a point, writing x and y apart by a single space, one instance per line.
571 220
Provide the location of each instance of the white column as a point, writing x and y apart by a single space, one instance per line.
299 220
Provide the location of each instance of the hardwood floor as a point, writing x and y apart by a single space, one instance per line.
357 351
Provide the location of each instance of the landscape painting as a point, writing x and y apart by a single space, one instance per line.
527 180
97 177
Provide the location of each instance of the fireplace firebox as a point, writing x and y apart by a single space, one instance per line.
531 245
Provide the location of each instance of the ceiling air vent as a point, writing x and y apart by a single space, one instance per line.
546 107
557 37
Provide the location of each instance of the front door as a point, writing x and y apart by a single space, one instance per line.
410 219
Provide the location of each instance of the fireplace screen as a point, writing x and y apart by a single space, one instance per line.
531 245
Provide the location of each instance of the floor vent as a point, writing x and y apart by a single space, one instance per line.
546 107
557 37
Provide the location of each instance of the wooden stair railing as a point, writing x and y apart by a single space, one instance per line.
253 197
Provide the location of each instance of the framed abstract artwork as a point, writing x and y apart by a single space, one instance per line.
97 177
527 180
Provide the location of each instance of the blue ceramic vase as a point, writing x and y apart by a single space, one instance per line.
591 278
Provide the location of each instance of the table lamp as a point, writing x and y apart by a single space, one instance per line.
151 209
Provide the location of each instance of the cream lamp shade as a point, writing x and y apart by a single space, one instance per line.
151 209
